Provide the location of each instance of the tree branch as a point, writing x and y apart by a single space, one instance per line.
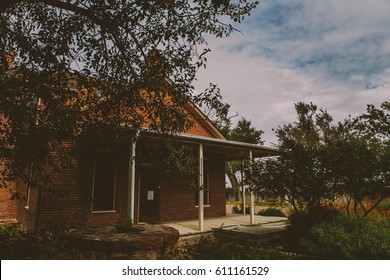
374 205
5 4
76 9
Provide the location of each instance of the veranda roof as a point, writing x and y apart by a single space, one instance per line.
233 150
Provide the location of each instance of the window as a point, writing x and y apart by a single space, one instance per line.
104 181
28 186
206 187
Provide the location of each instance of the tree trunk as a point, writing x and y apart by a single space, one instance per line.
292 203
234 182
349 199
355 206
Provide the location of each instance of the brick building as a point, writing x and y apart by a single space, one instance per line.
127 183
7 206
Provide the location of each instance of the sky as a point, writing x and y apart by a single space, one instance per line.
333 53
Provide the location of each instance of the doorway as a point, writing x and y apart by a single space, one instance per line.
149 194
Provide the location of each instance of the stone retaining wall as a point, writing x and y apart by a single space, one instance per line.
153 242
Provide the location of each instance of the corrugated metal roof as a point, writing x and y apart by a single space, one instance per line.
233 150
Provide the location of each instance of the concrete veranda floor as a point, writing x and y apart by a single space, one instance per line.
237 222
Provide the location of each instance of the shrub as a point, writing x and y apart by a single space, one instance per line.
17 243
238 210
271 204
300 224
127 226
349 237
384 206
275 212
222 249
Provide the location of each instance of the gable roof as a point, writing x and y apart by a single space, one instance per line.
204 121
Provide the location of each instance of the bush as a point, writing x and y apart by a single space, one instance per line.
271 204
222 249
275 212
17 243
384 206
349 237
127 226
300 224
238 210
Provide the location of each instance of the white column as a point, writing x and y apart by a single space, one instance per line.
131 184
243 188
252 214
201 193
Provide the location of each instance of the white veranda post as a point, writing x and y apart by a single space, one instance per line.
201 186
252 214
131 180
243 188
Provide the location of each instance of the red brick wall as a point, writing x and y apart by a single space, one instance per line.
201 126
7 206
198 128
26 215
61 203
178 198
66 201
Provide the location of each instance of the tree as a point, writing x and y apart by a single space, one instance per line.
361 159
212 105
320 161
299 174
102 63
244 132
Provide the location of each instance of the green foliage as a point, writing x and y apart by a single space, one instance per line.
384 206
271 204
243 132
179 161
349 237
238 209
300 224
20 244
224 249
298 173
69 56
127 226
210 102
320 160
272 211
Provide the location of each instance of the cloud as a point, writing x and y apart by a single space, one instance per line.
333 53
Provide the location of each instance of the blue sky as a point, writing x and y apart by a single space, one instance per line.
333 53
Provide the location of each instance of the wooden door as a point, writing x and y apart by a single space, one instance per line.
149 194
